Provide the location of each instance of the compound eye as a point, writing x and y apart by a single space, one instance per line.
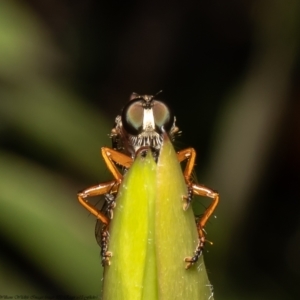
162 116
132 117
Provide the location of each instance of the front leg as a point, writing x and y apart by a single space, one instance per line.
109 188
105 254
202 191
97 190
188 154
113 157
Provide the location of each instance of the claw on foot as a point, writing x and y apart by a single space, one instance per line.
104 245
191 260
186 204
105 259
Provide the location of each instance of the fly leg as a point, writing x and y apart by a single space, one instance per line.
105 254
101 230
189 154
110 204
113 158
109 189
202 191
97 190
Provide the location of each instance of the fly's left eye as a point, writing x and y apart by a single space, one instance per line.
132 117
162 115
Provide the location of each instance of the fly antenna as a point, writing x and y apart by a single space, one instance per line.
159 92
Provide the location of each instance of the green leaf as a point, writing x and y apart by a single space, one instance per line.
151 234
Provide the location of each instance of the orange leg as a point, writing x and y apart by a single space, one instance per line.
194 189
97 190
100 189
188 154
111 158
202 191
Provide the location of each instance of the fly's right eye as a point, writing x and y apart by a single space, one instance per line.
132 117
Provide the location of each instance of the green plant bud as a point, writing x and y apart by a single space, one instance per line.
151 234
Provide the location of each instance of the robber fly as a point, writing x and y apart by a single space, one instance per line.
140 127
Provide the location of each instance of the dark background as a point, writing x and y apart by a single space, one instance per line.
230 72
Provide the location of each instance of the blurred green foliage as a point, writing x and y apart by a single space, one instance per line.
230 71
41 221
